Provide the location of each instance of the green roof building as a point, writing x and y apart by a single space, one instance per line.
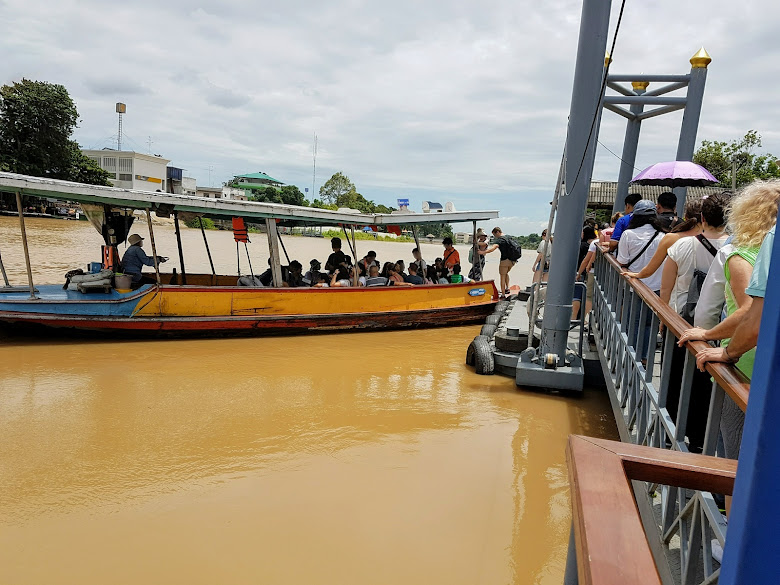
255 181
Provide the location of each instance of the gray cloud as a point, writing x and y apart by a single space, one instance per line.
113 87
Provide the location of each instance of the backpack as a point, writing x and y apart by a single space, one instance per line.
514 252
688 311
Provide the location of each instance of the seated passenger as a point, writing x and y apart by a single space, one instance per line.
400 268
294 275
310 278
413 277
337 257
367 262
342 277
320 281
422 265
441 271
267 277
430 276
135 259
456 277
374 279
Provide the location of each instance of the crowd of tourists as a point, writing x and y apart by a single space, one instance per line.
711 267
341 271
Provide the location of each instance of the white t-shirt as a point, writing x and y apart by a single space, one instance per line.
592 250
689 254
362 281
713 291
631 242
344 282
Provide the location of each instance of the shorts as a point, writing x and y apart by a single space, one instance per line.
589 286
506 265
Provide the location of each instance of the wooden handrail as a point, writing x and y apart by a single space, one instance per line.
612 547
733 382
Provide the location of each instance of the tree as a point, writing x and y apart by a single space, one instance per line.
291 195
36 121
337 186
718 158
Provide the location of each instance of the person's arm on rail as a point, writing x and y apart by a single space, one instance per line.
740 275
745 338
656 260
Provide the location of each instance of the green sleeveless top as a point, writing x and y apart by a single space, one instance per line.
745 363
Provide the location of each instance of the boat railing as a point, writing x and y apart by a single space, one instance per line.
680 522
609 544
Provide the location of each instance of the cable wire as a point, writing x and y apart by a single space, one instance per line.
601 94
616 155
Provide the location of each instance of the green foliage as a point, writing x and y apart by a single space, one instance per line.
83 169
319 204
529 242
437 230
359 235
337 186
194 223
289 195
36 121
718 158
601 216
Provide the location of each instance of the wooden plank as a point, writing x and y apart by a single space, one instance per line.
611 543
685 470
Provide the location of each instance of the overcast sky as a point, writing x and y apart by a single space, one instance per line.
450 100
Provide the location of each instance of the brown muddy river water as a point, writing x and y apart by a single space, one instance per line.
330 459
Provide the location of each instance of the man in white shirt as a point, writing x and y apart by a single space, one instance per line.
640 241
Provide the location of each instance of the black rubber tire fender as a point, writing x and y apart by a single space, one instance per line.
488 329
501 306
510 344
470 350
484 362
493 319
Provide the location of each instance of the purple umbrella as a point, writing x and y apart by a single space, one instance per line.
676 173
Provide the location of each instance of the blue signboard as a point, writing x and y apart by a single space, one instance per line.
403 203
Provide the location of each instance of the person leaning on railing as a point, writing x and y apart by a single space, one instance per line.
752 221
688 260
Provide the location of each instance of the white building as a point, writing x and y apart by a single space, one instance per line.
132 170
224 192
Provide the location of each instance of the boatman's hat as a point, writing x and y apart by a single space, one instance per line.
134 239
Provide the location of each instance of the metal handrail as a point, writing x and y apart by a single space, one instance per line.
733 382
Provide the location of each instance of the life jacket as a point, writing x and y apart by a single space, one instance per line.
110 258
239 230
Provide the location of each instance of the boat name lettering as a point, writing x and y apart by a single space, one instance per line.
477 292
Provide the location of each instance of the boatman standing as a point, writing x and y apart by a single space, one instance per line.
135 259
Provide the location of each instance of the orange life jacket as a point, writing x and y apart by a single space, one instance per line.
239 230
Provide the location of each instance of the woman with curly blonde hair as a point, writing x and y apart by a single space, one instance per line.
752 214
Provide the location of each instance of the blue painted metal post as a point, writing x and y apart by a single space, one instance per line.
690 123
630 143
584 118
752 538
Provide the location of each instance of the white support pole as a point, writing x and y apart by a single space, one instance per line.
273 250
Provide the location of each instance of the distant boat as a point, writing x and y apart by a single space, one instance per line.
187 304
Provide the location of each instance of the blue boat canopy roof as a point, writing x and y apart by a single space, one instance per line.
219 208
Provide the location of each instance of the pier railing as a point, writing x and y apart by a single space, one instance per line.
651 403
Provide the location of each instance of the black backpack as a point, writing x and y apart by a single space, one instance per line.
514 252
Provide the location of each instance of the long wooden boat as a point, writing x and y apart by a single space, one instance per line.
184 304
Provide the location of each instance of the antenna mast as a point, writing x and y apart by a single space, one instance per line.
120 109
314 171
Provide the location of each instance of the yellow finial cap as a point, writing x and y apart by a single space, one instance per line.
701 59
639 85
607 59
